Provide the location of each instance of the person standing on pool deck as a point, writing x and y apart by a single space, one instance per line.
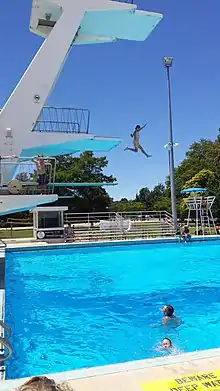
169 318
136 143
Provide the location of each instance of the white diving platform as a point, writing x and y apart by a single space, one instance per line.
104 21
21 203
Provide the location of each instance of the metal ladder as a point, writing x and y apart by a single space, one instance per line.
4 341
205 221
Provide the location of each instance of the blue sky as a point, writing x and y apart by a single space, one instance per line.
124 84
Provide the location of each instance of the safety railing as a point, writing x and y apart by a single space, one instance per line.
120 226
2 244
5 344
24 176
63 119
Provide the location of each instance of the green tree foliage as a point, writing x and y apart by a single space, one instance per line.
204 178
156 199
126 206
85 168
201 167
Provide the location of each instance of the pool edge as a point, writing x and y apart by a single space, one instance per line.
13 247
161 363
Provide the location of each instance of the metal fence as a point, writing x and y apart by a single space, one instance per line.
120 226
58 119
103 226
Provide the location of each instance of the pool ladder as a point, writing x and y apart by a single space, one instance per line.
4 341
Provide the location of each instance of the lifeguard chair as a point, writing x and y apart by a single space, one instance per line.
200 209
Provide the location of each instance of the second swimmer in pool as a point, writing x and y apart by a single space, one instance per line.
167 344
169 317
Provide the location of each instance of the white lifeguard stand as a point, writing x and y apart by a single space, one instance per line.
200 209
63 24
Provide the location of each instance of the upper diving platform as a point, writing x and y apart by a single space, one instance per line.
103 21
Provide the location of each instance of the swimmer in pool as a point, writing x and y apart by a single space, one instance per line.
169 318
167 344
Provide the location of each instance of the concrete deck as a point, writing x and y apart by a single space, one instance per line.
131 376
31 244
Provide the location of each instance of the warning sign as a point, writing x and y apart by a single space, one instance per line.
197 382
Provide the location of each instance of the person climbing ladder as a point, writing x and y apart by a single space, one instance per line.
136 143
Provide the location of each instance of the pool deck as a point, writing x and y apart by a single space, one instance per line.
132 375
31 244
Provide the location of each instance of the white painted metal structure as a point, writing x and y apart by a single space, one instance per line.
63 23
200 209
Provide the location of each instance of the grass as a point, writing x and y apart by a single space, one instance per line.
16 234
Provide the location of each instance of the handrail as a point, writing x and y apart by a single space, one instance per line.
5 327
3 243
7 345
4 341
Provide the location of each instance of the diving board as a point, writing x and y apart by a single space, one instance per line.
84 184
103 21
20 203
73 146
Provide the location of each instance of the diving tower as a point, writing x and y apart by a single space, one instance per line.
63 24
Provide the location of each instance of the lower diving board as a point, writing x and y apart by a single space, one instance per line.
98 184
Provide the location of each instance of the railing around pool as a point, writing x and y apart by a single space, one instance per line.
23 175
101 226
5 344
2 243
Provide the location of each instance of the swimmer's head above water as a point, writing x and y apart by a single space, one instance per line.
167 343
170 319
168 310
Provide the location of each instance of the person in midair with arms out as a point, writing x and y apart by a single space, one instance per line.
136 143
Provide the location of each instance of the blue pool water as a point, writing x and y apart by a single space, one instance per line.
75 308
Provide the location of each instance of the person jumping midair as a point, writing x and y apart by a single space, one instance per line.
136 143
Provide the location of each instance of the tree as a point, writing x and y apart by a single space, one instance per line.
202 155
85 168
126 206
152 198
204 178
201 167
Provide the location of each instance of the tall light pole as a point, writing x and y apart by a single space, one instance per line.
167 62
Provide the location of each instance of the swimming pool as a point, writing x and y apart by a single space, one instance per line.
75 308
